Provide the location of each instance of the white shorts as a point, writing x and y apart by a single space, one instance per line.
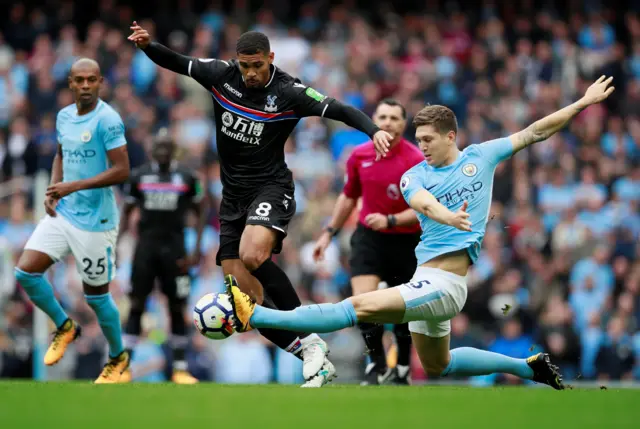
94 252
432 298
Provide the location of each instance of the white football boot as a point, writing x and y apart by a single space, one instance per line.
324 376
314 351
317 370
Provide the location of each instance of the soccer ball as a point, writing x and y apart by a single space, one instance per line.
212 316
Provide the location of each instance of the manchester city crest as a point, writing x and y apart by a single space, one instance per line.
469 170
85 136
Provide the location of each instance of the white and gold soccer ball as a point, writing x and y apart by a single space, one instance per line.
213 315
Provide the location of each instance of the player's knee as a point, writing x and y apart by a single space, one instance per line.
253 258
32 262
435 367
365 307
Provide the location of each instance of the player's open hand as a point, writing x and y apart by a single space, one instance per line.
599 90
377 221
320 246
50 205
60 190
460 219
382 142
140 36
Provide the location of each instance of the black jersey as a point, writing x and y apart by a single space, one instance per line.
252 125
164 198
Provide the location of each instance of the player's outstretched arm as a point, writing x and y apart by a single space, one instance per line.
549 125
310 102
424 202
159 54
357 119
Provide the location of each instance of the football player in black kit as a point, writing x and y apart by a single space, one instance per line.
256 108
165 193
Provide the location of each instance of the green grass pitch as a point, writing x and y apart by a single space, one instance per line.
74 405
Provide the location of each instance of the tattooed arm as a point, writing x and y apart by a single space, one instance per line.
549 125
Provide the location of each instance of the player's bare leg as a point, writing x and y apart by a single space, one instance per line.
388 306
437 360
256 247
248 283
100 300
286 340
433 353
29 273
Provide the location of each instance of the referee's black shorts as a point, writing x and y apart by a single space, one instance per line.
388 256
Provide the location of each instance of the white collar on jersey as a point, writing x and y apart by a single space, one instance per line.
273 73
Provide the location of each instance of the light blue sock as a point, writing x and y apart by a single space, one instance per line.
317 318
467 361
41 294
109 320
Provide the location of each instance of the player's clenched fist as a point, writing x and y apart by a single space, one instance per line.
140 36
460 219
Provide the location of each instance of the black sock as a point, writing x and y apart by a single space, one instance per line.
134 323
132 330
277 285
281 293
179 339
287 340
372 334
403 339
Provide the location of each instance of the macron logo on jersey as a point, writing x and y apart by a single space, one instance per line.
232 90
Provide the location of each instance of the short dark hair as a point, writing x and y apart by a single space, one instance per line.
253 42
394 102
440 117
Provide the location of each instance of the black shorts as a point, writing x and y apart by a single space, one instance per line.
273 207
155 259
389 256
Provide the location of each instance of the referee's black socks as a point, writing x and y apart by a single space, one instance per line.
372 334
403 340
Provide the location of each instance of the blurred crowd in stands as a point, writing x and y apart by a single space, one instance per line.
560 265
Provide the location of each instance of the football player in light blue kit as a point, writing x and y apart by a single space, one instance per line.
82 217
451 192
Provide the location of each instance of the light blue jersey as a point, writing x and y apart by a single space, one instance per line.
469 178
85 141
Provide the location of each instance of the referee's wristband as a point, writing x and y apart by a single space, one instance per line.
391 219
332 231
